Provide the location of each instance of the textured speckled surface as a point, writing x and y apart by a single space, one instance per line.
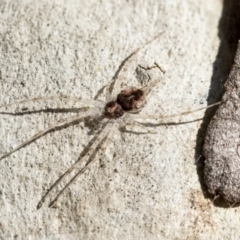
146 186
221 145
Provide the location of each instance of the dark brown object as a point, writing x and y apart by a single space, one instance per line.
131 99
113 110
222 142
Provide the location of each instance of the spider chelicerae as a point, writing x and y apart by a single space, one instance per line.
118 111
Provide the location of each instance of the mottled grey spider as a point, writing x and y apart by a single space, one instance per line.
115 113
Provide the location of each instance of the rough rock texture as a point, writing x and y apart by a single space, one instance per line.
222 142
147 185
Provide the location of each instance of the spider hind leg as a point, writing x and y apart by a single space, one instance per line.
103 137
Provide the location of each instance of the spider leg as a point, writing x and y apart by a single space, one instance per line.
107 132
90 103
125 65
156 117
54 125
108 93
132 122
148 88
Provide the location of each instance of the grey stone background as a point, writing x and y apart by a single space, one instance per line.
148 186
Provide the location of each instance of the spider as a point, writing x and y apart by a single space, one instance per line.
118 111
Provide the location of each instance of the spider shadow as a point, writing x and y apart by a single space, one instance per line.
51 110
81 155
48 110
229 34
88 122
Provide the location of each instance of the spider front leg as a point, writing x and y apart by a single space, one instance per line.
106 133
118 78
148 88
88 103
53 126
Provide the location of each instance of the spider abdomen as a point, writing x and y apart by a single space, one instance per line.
131 99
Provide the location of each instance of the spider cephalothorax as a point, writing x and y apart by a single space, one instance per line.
113 110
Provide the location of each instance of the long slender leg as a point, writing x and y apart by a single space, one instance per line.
54 125
156 117
88 165
108 93
125 65
90 103
132 122
148 88
106 132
